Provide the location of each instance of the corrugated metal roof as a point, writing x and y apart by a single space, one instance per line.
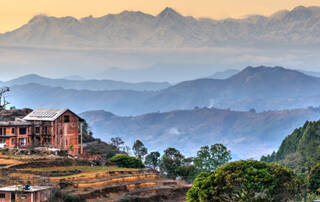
15 123
44 114
20 187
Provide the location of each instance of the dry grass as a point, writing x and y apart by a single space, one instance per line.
83 169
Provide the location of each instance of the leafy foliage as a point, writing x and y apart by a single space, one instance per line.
152 160
246 181
300 150
208 159
139 149
314 179
170 163
125 161
87 133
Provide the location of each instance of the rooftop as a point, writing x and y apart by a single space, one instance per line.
17 122
44 114
21 188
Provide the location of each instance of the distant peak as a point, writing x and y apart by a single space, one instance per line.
38 18
169 12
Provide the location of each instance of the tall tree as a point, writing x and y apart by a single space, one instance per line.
170 163
210 158
152 160
117 142
139 149
3 101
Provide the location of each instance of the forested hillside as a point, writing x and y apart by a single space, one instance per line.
300 150
247 134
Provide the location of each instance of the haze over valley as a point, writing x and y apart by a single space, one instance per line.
253 108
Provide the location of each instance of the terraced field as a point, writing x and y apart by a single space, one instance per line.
81 181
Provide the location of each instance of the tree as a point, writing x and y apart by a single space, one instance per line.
246 181
170 163
125 161
314 179
117 142
139 149
87 133
209 159
3 101
152 160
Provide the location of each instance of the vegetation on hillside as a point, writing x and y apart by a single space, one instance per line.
246 181
300 150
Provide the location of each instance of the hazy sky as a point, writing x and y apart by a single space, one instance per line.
14 13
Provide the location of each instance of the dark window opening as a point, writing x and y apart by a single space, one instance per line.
12 131
0 131
22 131
66 119
22 141
2 195
37 129
4 131
45 130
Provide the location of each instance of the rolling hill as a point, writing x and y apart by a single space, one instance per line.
169 29
247 134
94 85
261 88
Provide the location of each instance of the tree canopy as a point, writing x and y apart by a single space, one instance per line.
246 181
210 158
170 163
152 160
139 149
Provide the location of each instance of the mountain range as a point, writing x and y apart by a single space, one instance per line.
169 29
247 134
81 84
262 88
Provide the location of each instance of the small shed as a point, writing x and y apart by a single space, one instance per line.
25 193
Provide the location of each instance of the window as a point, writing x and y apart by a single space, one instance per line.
66 119
22 141
12 141
12 131
37 129
2 195
0 131
45 130
4 131
22 131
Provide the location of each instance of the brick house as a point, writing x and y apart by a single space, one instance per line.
52 128
15 133
18 193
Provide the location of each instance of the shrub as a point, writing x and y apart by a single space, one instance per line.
125 161
63 153
314 179
246 181
4 151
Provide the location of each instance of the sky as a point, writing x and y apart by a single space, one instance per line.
15 13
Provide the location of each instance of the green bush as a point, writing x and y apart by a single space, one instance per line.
314 179
4 151
125 161
62 153
246 181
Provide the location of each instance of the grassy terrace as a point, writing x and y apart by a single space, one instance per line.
85 170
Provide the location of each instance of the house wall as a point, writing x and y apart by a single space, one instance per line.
68 133
37 196
11 137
